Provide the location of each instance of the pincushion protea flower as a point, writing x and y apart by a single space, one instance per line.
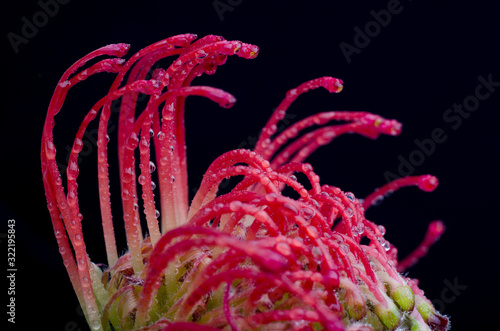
253 258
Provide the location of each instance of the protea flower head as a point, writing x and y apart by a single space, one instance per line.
253 258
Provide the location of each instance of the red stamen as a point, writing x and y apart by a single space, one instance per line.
434 232
426 183
329 83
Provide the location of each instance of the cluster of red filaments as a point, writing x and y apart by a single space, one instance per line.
253 258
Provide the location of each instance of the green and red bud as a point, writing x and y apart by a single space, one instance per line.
389 315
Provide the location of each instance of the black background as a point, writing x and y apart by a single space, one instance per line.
425 60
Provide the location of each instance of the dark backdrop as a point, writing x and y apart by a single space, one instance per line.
414 66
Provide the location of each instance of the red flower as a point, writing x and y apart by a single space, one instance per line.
251 258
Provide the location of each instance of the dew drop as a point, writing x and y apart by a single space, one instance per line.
344 248
312 231
142 179
96 325
78 145
291 208
307 213
361 228
283 248
350 196
172 179
381 228
81 264
271 197
78 240
349 212
132 141
201 54
317 254
381 241
235 205
144 146
152 166
378 200
128 174
293 177
50 150
217 207
151 133
136 206
265 180
337 237
387 246
306 167
157 213
391 264
153 185
161 135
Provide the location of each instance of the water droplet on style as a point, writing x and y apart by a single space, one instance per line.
307 213
361 228
344 248
387 246
235 205
378 200
152 166
96 324
350 196
283 248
